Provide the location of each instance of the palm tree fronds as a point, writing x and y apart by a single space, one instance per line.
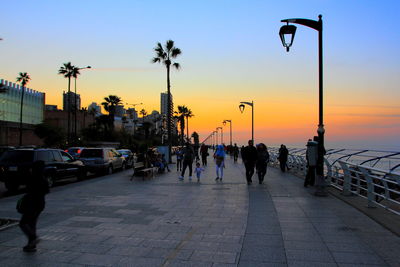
176 65
169 45
175 52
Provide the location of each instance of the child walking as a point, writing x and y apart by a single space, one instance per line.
198 171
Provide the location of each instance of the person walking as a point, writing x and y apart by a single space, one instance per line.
188 156
262 161
32 204
198 170
249 157
179 157
219 156
283 157
235 153
204 154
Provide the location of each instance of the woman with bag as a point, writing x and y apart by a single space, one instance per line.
32 204
262 161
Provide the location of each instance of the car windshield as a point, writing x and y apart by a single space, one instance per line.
17 156
123 152
92 153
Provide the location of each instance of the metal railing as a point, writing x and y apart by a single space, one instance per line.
355 173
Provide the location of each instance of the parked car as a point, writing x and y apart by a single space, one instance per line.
74 151
102 160
130 157
16 166
5 148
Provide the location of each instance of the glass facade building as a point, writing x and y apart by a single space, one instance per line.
10 104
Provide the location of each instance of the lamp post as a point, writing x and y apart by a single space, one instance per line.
241 108
287 33
75 108
222 134
230 130
215 141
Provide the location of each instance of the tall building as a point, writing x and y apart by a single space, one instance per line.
164 112
72 98
164 104
10 108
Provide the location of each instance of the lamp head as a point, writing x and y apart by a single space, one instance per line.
224 123
241 108
287 33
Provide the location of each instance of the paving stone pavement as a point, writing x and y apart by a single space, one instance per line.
112 221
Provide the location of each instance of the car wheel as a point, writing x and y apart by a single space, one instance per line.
110 170
50 180
11 186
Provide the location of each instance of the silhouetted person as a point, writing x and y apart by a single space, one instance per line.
311 156
33 204
235 153
262 161
249 157
219 156
188 156
283 157
204 154
179 158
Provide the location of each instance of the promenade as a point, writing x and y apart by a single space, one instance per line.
112 221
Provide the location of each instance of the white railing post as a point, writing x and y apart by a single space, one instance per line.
370 187
346 179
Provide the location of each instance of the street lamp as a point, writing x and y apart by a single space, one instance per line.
215 141
287 33
230 132
241 108
222 134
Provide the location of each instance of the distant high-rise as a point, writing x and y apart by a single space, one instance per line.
164 112
71 96
164 104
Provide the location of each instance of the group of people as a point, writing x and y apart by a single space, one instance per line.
255 158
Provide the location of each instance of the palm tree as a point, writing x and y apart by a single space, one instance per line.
75 73
66 70
188 115
110 103
24 78
180 115
143 112
164 55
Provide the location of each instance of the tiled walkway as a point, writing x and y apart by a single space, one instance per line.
110 221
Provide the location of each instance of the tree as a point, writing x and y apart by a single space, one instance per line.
23 78
110 104
188 115
180 115
66 70
143 112
52 136
164 55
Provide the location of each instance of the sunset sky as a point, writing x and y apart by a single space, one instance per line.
231 52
